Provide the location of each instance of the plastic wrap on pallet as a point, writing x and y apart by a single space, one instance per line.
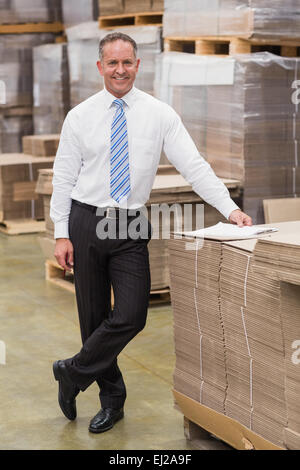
29 11
246 18
16 66
12 129
242 113
86 10
83 47
51 88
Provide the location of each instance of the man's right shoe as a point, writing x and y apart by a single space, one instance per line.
67 390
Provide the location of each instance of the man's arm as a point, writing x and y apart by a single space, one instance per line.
182 152
66 168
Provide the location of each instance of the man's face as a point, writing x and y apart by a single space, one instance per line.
118 67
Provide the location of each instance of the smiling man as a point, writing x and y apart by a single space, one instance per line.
107 158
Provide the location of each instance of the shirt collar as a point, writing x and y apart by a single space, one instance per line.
128 98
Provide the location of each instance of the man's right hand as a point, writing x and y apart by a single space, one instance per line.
64 253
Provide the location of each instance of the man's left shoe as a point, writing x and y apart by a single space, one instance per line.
105 419
67 390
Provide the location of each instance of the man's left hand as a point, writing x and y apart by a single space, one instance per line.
240 218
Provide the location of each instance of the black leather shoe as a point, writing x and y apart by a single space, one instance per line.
105 419
67 390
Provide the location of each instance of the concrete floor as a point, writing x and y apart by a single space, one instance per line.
38 323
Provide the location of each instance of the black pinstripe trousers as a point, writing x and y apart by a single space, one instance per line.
98 264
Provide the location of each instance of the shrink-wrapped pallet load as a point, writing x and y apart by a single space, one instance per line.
29 11
242 18
242 114
16 74
83 53
86 10
51 91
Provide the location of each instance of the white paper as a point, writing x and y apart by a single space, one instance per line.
231 231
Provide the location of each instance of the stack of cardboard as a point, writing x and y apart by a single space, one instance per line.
18 177
83 52
242 116
245 18
17 94
117 7
41 145
51 90
30 11
259 317
279 258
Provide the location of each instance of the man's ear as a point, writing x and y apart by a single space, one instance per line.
138 64
100 68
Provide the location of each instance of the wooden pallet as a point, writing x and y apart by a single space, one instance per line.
56 27
22 226
134 19
56 275
207 422
215 45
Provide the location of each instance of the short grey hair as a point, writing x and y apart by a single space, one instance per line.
111 37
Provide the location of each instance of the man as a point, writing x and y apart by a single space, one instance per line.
108 155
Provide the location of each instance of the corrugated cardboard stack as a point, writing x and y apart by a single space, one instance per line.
19 174
241 115
279 258
200 371
16 74
250 309
51 90
245 18
259 316
18 177
117 7
83 46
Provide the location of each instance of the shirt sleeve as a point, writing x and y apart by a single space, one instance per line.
183 154
67 166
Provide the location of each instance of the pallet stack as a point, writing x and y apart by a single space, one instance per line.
239 108
23 25
236 331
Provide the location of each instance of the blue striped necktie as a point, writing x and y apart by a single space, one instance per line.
119 155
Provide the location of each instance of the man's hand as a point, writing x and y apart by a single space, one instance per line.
64 253
240 218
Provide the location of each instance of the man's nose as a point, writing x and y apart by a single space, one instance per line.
120 68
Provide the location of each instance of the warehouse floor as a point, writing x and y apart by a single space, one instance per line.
39 325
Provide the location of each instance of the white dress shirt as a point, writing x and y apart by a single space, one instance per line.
82 164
